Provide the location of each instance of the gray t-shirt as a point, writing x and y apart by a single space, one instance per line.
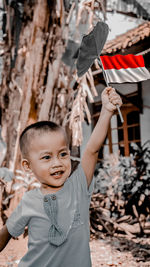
58 225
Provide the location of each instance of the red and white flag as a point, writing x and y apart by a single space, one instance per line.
128 68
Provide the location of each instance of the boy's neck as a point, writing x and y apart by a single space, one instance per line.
45 189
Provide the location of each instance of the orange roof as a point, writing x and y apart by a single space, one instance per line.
127 39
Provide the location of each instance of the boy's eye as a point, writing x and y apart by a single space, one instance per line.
46 157
63 154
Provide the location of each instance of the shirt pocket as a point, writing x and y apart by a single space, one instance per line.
77 221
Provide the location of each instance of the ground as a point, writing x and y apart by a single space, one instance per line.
106 251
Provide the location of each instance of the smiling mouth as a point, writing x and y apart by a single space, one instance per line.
57 174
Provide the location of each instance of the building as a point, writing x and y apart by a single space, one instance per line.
136 96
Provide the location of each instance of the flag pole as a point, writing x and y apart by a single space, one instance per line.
106 80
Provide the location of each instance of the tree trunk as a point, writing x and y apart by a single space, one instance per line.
30 75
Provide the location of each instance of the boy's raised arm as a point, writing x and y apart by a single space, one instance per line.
4 237
89 159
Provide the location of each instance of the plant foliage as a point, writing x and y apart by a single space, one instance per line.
123 185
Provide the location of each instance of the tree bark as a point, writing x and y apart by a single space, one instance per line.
27 88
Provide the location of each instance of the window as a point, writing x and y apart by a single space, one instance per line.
120 136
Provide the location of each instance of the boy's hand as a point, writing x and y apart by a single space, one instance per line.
110 99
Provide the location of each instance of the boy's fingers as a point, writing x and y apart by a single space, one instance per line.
115 99
110 89
117 102
114 96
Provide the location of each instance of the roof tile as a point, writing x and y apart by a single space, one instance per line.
127 39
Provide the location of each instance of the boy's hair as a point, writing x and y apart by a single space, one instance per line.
38 127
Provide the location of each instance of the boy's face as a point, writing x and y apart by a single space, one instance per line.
49 159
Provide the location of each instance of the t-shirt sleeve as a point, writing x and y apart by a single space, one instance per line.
81 178
17 221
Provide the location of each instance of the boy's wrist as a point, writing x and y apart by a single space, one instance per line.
105 110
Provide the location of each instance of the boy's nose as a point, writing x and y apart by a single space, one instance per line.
55 162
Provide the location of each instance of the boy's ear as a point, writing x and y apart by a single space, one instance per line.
26 165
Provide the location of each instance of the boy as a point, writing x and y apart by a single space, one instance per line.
57 213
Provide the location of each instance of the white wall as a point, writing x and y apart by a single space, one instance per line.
145 117
87 130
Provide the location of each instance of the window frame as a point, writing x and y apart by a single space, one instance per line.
125 110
